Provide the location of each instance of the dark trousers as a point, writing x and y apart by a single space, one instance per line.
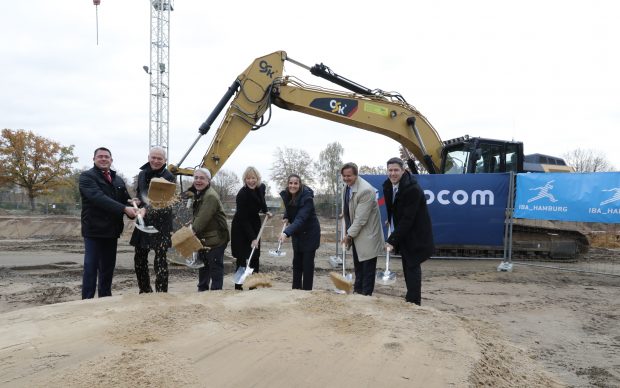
160 265
365 273
99 263
213 271
303 270
413 280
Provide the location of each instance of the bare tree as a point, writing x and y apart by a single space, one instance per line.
185 182
225 183
405 155
328 167
587 160
291 161
131 189
378 170
268 193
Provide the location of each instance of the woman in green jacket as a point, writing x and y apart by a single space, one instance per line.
209 225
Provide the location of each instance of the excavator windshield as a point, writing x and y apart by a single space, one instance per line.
477 155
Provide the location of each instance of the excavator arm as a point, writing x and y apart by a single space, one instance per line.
263 84
392 118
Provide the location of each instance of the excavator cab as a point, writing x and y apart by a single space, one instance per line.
474 155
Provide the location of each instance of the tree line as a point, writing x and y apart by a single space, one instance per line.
44 167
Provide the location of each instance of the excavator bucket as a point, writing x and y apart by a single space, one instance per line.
162 193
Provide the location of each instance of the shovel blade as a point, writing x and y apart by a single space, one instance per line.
147 229
386 277
277 253
176 258
504 267
241 274
335 261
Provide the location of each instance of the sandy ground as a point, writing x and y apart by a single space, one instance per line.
533 327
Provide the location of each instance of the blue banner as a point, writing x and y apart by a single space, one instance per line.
583 197
465 209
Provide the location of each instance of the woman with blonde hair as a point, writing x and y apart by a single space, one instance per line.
246 222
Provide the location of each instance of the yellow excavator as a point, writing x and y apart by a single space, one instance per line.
264 84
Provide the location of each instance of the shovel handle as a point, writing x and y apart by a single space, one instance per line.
140 221
344 245
280 242
138 215
262 227
260 232
247 263
387 252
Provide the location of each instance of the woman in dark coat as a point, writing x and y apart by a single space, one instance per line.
303 227
161 219
246 222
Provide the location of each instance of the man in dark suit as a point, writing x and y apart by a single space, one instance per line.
412 233
104 202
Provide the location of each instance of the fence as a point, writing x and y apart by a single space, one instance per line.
590 202
456 217
603 256
41 208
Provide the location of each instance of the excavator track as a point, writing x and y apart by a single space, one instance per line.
529 242
550 244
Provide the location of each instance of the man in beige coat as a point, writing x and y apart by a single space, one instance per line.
363 226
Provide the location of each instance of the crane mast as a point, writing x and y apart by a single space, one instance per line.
159 73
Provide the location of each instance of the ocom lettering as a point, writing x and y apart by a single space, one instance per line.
461 197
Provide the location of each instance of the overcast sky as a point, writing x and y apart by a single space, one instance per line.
542 72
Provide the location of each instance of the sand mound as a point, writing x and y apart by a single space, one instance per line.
261 338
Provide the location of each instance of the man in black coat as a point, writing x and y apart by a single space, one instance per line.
412 233
104 201
161 219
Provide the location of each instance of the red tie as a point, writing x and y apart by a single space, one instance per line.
107 176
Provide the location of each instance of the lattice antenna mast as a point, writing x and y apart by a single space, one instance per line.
159 73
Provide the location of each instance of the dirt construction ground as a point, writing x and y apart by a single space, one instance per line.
532 327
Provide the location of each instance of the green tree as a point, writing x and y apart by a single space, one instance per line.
328 167
69 191
33 162
291 161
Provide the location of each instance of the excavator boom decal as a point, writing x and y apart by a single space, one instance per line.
343 107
